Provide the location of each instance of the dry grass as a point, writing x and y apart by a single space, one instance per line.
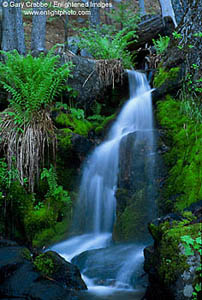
27 145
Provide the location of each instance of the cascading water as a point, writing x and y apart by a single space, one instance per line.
96 207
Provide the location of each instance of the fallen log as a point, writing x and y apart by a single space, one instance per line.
150 28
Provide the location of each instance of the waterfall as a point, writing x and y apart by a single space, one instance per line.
97 203
96 207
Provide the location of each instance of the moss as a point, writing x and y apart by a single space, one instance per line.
172 261
37 220
164 75
130 223
79 126
184 159
44 264
26 254
52 235
64 138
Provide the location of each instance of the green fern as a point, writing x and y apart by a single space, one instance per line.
107 46
33 82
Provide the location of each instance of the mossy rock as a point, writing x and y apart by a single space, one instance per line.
131 224
54 266
170 249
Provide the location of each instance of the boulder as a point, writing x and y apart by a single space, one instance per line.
87 78
171 262
20 278
63 272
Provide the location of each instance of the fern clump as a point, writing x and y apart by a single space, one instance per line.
32 82
26 129
108 46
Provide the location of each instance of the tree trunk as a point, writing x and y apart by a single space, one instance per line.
66 31
38 38
185 49
150 29
167 10
141 7
12 28
179 8
95 13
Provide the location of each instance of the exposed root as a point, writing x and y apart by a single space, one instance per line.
25 144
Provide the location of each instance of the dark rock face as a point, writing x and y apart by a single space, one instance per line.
85 80
136 189
81 145
20 279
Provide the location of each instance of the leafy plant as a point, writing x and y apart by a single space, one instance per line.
26 129
44 264
176 35
161 44
55 192
33 82
77 113
192 244
124 15
106 46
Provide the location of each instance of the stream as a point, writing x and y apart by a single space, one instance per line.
113 270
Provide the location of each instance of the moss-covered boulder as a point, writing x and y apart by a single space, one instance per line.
54 266
173 263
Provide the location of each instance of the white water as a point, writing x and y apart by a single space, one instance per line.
96 207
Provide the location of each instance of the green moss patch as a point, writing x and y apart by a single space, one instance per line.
184 159
79 126
172 260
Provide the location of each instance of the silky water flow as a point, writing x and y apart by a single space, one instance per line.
114 271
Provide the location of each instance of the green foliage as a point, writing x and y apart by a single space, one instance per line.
161 44
192 244
107 46
44 264
33 82
105 123
37 220
124 15
184 159
7 176
54 234
77 113
56 192
26 254
164 75
176 35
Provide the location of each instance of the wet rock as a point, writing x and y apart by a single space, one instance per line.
88 83
20 279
